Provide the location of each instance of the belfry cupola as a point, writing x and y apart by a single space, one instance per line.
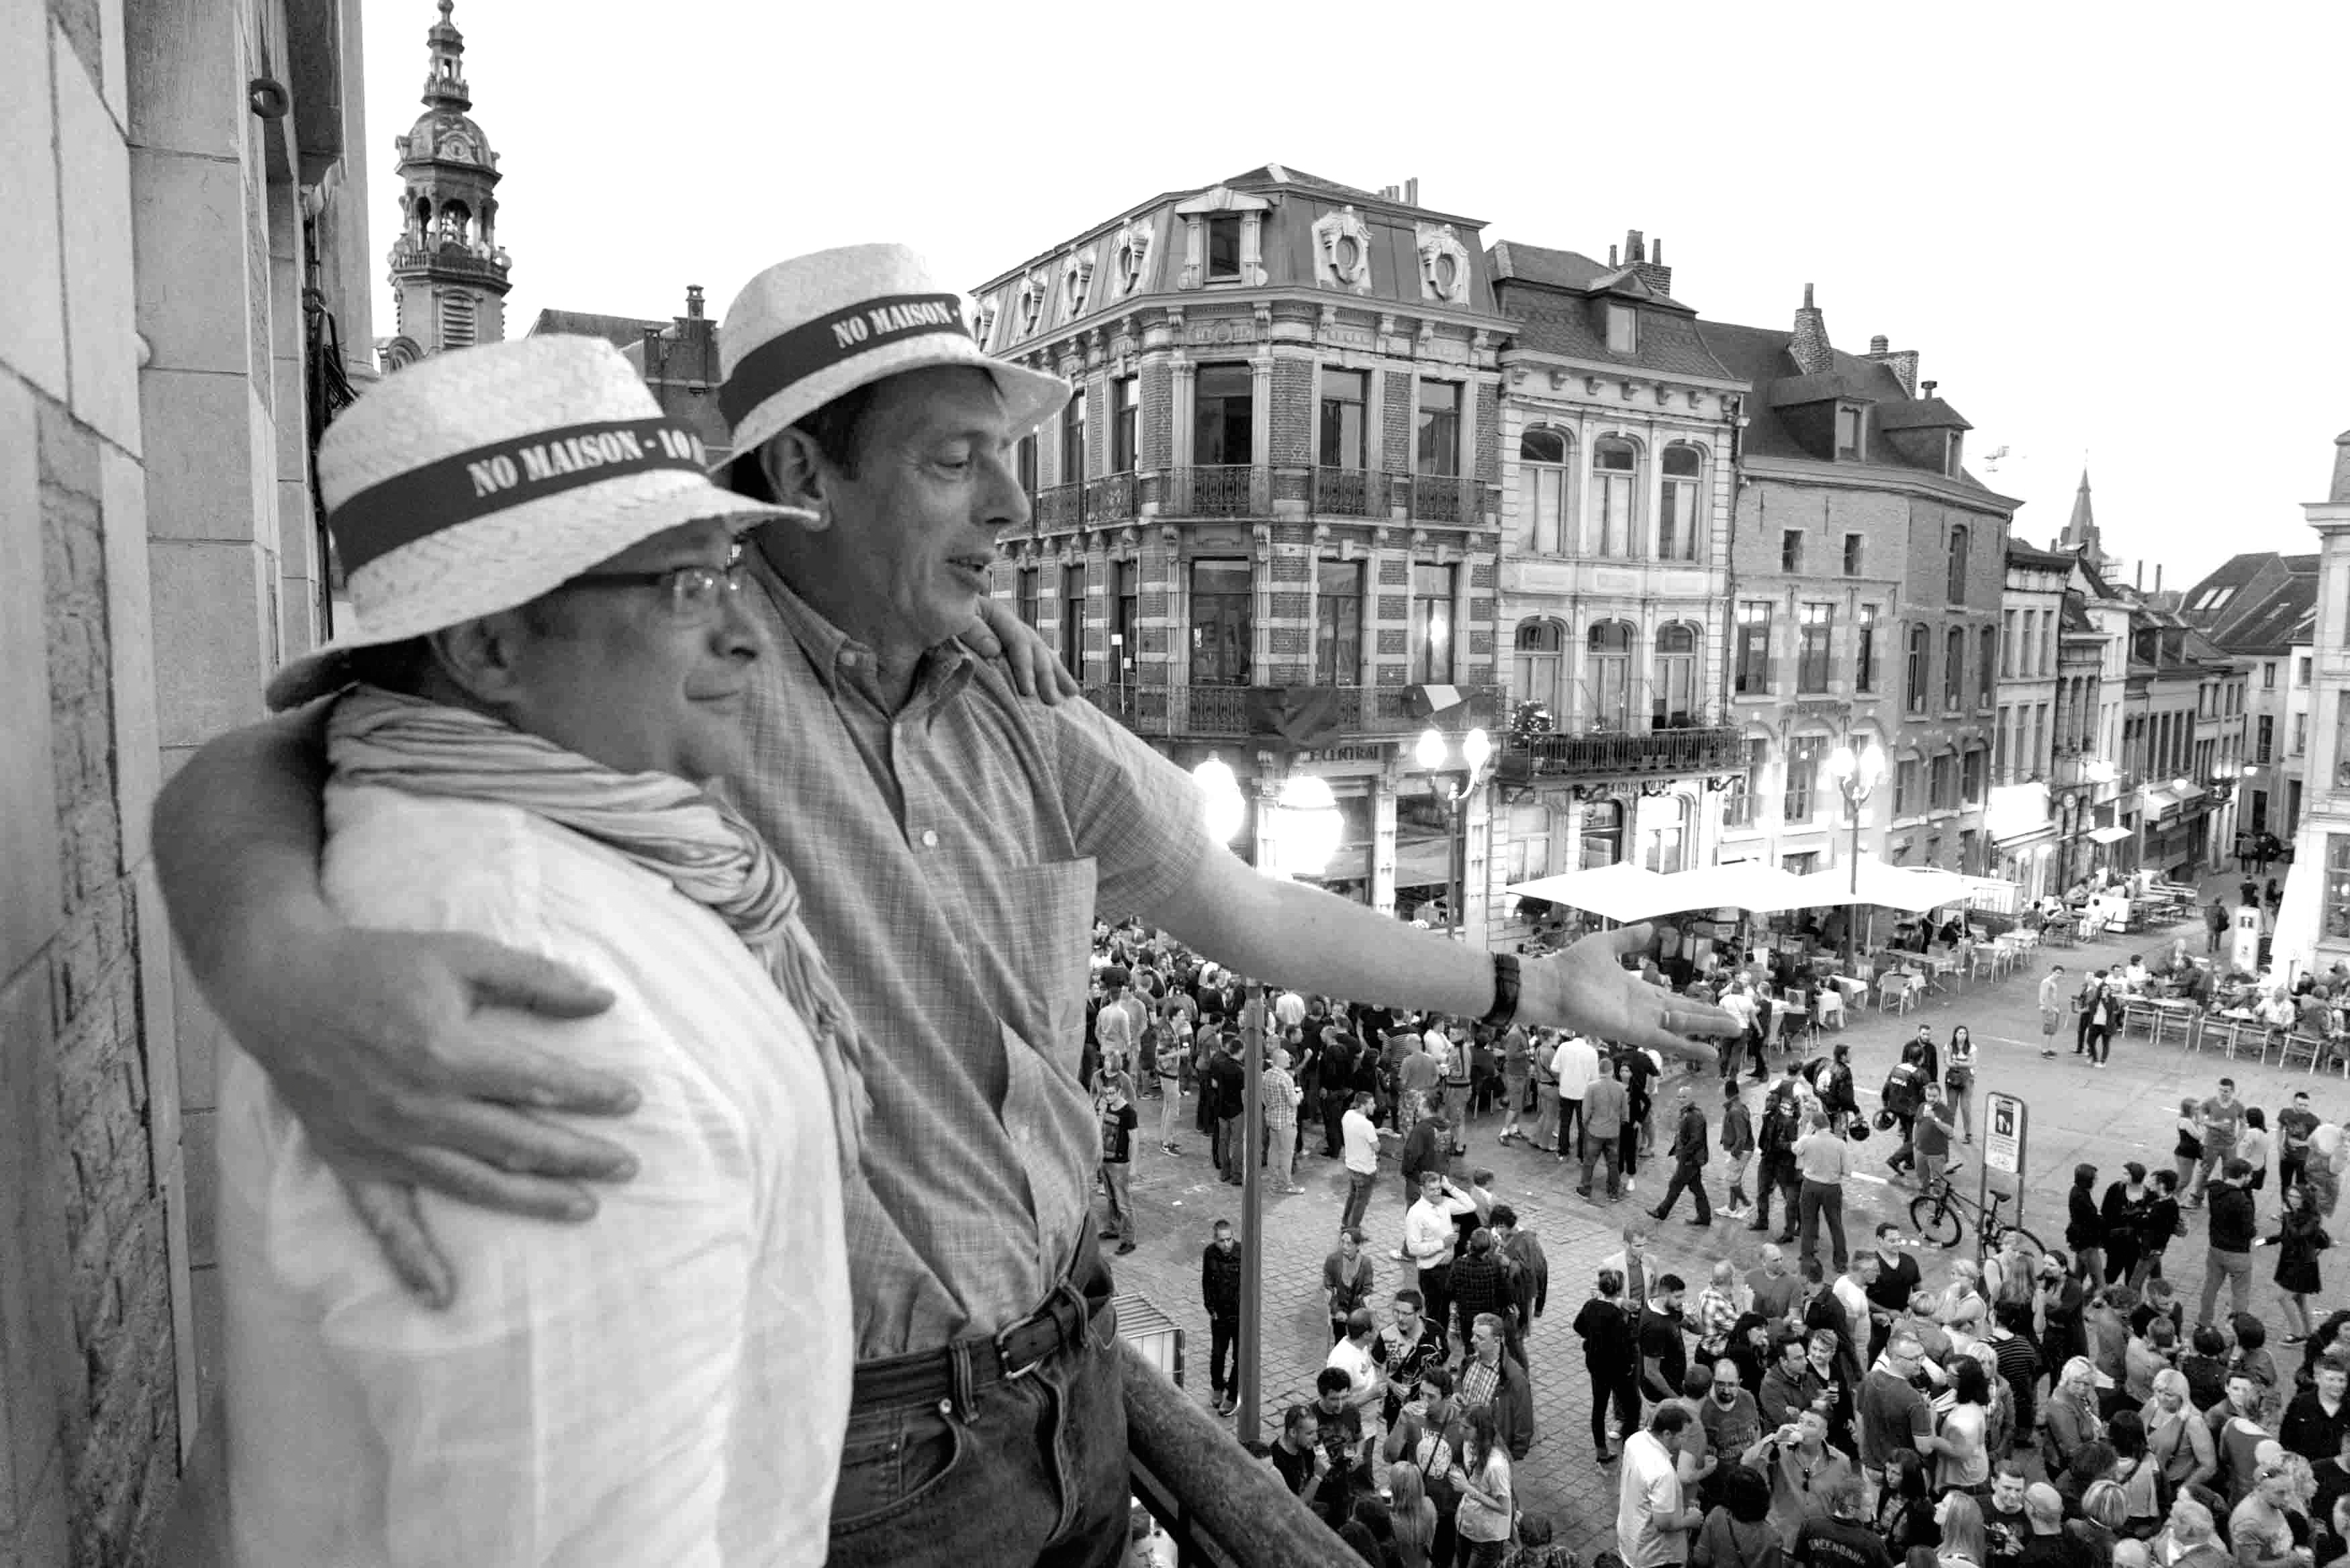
449 274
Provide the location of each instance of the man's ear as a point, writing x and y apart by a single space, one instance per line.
480 657
798 475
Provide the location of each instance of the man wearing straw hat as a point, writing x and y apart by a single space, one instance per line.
952 843
552 654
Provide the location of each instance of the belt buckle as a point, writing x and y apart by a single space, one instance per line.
1013 1374
1065 1295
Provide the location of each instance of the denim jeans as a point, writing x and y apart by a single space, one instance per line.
1029 1471
1116 1176
1358 1198
2236 1268
1594 1150
1824 1200
1224 1353
1171 1108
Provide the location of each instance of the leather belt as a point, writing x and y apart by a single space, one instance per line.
1070 1318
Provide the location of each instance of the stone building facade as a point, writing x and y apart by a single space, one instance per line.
1866 572
1266 527
1618 427
2037 700
2320 914
186 249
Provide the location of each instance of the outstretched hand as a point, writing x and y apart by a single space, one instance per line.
369 1039
1587 987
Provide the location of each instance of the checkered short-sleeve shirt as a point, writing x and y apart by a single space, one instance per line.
952 856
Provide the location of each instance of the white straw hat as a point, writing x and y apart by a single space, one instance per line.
475 480
805 330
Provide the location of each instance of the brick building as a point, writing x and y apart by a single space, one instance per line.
1265 528
2037 702
677 358
2261 609
1618 427
188 252
1867 570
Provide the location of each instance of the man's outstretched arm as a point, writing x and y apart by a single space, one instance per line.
366 1033
1271 925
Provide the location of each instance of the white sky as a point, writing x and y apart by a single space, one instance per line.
2115 232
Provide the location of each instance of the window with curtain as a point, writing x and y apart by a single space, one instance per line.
1921 656
1615 473
1804 753
1607 678
1431 624
1025 597
1125 404
1679 520
1440 428
1346 397
1539 661
1222 622
1817 632
1072 437
1223 415
1738 800
1672 696
1542 491
1338 623
1954 669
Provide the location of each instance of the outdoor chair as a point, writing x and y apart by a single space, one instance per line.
2137 1017
1893 993
2182 1019
2300 1048
1982 962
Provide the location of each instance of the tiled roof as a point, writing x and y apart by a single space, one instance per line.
1552 322
618 331
1282 174
2022 555
1920 413
1758 357
2269 627
1536 264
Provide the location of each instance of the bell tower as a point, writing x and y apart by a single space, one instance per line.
448 275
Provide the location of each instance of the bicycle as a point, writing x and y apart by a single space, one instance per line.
1941 1213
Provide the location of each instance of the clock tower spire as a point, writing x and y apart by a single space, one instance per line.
449 274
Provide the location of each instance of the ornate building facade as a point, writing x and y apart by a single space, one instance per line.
1265 528
1618 430
449 274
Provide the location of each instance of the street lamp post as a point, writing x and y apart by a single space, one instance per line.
1476 750
1858 774
1303 826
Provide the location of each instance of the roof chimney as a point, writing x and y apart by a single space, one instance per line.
1648 262
2157 577
1930 386
2341 489
693 301
1809 343
1411 192
1902 362
1879 345
1612 262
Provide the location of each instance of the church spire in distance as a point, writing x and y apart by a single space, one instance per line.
449 274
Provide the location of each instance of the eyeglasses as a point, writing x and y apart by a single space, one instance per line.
692 594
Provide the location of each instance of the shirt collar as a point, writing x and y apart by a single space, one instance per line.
832 653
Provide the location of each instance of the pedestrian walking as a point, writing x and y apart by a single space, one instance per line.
2215 925
2300 1237
1220 1293
2294 1124
1738 1147
1776 1172
1574 1067
2091 984
1119 1123
1825 1157
2051 987
2097 1020
1605 1110
1958 1081
1689 1153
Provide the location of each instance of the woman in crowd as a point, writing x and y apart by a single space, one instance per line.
2158 1227
2085 1223
1959 1080
1482 1479
1960 1517
1905 1514
1412 1516
2123 1209
2300 1237
2139 1477
2253 1146
1737 1534
2177 1439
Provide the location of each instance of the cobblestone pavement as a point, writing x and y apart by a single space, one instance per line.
2105 1115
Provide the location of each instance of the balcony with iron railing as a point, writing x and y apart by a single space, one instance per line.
1257 491
1691 743
1304 716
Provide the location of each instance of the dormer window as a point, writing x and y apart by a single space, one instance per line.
1848 448
1224 248
1623 329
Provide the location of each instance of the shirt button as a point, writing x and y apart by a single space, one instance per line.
930 839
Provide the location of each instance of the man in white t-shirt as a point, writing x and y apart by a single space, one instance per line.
1366 1380
1576 1067
1653 1524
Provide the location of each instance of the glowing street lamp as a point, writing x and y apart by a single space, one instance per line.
1306 826
1432 753
1219 790
1857 776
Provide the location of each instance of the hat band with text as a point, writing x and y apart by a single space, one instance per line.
813 346
512 472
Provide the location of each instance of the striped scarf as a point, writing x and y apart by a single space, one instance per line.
671 828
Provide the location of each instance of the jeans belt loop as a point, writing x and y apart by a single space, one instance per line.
966 1399
1081 1331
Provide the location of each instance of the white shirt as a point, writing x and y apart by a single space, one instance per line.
1289 1010
666 1384
1429 1230
1362 1142
1576 1067
1850 1296
1650 1491
1355 1361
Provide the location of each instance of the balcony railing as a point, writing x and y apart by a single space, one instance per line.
1222 1508
1304 716
1350 492
1697 749
1222 490
1060 506
1441 498
1110 498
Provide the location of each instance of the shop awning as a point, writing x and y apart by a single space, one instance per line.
2108 835
2161 798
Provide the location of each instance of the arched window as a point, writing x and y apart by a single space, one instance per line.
1603 835
1680 516
1608 675
1542 491
1541 661
1954 669
1958 584
1615 475
1672 696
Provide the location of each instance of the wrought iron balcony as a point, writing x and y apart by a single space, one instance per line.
1060 506
1110 498
1443 498
1303 716
1698 747
1220 490
1350 492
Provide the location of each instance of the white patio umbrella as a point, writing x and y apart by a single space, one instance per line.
1753 886
1909 888
1623 891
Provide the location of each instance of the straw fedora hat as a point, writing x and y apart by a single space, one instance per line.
805 330
475 480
